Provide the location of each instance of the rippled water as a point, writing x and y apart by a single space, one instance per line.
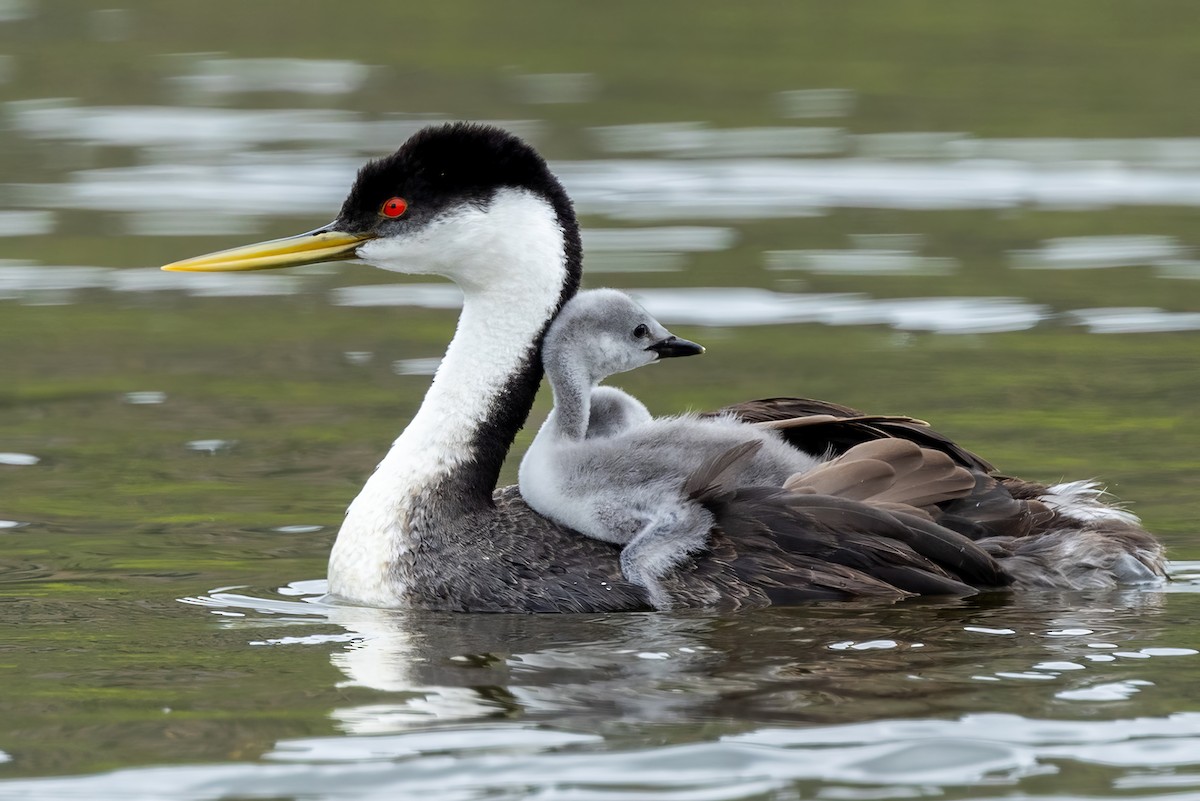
983 217
856 700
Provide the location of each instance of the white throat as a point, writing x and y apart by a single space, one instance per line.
509 259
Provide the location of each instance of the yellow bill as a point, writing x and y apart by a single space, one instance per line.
292 251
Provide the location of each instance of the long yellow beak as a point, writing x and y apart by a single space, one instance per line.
292 251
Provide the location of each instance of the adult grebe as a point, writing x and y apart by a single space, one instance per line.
479 206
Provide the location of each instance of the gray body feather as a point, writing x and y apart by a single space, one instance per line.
613 411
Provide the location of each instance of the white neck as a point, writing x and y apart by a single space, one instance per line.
509 259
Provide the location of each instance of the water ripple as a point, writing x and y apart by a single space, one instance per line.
461 763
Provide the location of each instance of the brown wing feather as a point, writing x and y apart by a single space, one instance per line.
848 427
905 552
892 471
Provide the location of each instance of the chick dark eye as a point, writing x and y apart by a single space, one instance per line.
394 207
640 331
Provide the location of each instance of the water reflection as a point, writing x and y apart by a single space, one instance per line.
1141 741
697 140
635 262
210 446
1137 320
13 10
281 696
708 306
675 239
744 306
202 167
805 103
140 126
27 223
426 296
424 366
52 285
36 285
656 667
206 77
1088 252
193 134
145 398
764 188
863 261
767 701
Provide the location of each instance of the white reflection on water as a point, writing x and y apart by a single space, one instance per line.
146 398
1087 252
697 140
426 366
518 738
859 262
1178 268
17 278
734 306
427 296
1112 691
210 446
297 530
132 126
225 76
26 223
1134 320
706 306
635 262
648 189
893 757
422 737
1161 152
676 239
207 285
210 130
1045 738
206 192
13 10
776 188
739 306
811 103
358 357
727 173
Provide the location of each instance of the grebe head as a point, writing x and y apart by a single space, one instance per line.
602 331
458 200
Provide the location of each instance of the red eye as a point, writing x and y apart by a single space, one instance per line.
394 207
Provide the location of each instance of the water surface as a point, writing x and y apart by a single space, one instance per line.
984 217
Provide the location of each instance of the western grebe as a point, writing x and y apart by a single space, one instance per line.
479 206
